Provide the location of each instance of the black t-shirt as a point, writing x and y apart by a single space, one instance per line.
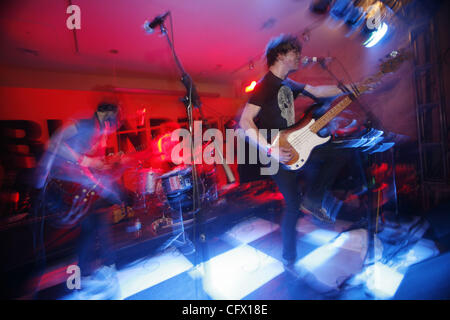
276 98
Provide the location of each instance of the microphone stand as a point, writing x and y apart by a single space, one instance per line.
371 122
192 100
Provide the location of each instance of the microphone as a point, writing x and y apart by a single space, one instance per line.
309 61
150 26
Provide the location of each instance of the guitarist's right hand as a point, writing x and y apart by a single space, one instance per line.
282 154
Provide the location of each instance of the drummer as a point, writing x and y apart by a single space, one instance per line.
162 147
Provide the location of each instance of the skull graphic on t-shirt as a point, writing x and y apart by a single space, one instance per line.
286 104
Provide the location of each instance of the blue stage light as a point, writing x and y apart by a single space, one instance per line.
376 36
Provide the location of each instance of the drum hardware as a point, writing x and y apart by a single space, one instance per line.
177 184
179 238
165 223
160 223
178 188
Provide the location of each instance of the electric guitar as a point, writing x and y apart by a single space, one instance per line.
72 190
302 138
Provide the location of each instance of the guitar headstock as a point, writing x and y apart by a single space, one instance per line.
392 61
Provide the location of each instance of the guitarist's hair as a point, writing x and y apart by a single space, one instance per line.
106 106
281 45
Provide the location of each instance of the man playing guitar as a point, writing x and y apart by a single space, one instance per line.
80 185
271 106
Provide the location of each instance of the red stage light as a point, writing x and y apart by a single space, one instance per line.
250 87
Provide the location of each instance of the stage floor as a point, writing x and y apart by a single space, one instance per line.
243 261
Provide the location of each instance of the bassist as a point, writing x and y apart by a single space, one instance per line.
271 106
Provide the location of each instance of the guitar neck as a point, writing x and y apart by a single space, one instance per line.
330 115
338 108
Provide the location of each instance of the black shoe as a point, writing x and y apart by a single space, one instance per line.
287 262
318 213
289 267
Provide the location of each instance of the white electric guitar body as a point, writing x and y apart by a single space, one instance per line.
301 141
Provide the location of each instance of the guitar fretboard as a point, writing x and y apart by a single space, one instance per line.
333 112
330 114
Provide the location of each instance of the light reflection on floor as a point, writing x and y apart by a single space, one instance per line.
238 272
244 268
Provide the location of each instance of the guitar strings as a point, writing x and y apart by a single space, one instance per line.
332 112
303 135
300 137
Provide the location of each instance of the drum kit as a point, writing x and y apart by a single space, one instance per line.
174 189
171 194
164 193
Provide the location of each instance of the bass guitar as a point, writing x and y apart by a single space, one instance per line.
301 138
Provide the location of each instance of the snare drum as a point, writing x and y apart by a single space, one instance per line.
177 186
177 181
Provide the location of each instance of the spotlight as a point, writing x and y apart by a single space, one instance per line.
376 36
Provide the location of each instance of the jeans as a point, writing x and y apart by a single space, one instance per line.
287 182
320 172
95 227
